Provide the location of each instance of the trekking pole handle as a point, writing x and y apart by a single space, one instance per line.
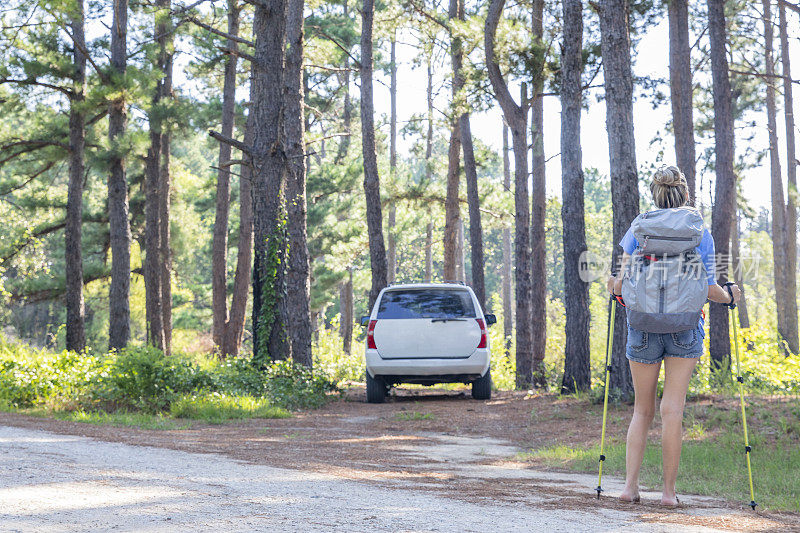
731 304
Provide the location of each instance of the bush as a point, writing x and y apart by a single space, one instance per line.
20 385
142 379
235 375
293 386
146 379
28 378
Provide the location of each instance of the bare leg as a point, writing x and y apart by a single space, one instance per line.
645 381
677 372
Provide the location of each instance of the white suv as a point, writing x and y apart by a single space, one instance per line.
427 333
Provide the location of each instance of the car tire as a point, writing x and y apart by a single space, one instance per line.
376 390
482 387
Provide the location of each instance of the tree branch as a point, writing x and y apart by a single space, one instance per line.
238 53
330 69
81 48
760 75
17 247
97 117
331 136
321 32
421 11
220 32
793 7
51 293
233 142
28 146
20 245
19 186
511 110
64 90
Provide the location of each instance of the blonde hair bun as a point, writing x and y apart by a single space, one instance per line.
669 188
669 176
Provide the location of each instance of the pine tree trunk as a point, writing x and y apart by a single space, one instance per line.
298 287
342 309
680 84
791 332
508 316
154 313
219 245
539 196
391 250
165 186
577 371
473 200
119 225
347 112
372 187
451 209
429 252
234 329
516 118
461 264
779 229
615 47
429 170
75 330
269 230
347 314
452 214
725 181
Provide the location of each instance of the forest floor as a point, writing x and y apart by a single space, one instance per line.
427 460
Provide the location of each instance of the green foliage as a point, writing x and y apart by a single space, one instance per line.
294 386
28 377
144 381
216 407
331 359
272 263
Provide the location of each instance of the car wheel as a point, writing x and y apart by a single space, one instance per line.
376 390
482 387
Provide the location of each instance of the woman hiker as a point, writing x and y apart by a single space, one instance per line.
664 318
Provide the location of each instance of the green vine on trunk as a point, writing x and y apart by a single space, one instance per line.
273 262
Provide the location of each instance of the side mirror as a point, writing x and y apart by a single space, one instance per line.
364 320
490 319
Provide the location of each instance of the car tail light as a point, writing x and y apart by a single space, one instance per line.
482 344
371 335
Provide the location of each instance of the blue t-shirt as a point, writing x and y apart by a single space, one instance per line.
705 249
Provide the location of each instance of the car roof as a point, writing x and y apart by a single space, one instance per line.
427 286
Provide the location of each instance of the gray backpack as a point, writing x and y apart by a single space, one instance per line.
665 286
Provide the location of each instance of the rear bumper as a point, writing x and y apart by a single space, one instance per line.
475 365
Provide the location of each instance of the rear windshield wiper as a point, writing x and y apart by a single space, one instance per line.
449 320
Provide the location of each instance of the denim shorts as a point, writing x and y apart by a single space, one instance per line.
644 347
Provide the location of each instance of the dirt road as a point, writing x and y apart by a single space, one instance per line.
347 467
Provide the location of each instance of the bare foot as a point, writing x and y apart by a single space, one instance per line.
630 496
670 501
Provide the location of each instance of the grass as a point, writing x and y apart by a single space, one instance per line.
120 418
142 387
217 408
207 408
712 459
408 416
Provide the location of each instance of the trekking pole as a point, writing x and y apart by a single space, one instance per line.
609 344
747 449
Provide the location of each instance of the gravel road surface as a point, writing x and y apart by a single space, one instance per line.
56 482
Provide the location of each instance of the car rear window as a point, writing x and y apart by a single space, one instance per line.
426 303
